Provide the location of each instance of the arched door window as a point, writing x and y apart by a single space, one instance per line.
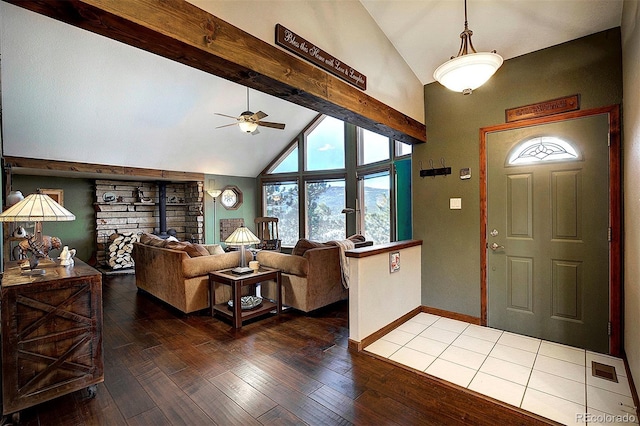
542 149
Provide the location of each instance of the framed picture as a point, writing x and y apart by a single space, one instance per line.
56 194
394 261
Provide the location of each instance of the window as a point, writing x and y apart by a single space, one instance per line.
375 201
340 160
289 163
281 201
542 149
324 218
372 147
402 149
325 145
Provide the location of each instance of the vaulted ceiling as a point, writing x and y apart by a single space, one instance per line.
61 83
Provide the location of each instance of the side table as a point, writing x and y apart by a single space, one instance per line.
236 314
51 333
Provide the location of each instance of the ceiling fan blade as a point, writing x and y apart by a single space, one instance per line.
258 115
225 115
255 132
227 125
272 125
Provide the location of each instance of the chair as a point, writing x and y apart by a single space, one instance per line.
267 232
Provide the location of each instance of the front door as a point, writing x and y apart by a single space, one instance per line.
547 231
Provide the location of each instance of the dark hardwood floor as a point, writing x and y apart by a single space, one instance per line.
162 367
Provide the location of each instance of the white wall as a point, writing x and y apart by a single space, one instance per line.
378 297
631 125
342 28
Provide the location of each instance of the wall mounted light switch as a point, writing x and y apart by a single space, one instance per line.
455 203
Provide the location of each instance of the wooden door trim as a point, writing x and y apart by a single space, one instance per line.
615 212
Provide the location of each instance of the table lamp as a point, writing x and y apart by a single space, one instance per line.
242 237
36 208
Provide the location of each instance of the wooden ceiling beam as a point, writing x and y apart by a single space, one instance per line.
180 31
99 171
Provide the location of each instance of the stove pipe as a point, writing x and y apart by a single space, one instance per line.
162 209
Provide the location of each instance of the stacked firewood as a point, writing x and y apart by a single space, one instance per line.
120 249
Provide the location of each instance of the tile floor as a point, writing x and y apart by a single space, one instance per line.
545 378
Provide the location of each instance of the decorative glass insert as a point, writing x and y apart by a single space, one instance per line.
542 149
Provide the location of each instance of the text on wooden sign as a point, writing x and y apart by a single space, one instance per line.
312 53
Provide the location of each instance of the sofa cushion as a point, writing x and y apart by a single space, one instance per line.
303 245
151 240
288 264
192 249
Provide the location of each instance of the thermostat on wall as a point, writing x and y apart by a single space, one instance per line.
465 173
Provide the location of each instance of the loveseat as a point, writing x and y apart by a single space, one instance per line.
178 272
311 275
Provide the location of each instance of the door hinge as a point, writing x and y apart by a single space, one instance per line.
609 328
609 232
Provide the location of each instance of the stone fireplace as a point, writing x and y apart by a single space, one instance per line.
133 207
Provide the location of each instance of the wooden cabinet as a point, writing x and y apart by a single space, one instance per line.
51 333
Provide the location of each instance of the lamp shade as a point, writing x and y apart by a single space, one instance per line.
214 193
241 237
36 208
468 72
248 126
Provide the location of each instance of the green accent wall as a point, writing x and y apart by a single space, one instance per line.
590 66
248 211
78 199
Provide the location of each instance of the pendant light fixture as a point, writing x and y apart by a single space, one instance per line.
469 69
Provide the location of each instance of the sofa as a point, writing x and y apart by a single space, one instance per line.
311 274
178 272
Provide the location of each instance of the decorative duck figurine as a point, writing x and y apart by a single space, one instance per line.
66 256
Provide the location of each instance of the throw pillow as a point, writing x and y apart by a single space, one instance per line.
196 250
151 240
214 248
357 238
303 245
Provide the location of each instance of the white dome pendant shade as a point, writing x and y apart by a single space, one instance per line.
467 71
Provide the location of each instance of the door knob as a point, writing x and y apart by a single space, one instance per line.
495 246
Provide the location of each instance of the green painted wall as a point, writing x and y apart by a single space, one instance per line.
590 66
78 199
248 211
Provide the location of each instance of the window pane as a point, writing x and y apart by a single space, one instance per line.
402 149
281 201
325 201
325 145
288 163
372 147
375 194
542 149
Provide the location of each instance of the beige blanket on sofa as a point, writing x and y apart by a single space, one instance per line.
344 261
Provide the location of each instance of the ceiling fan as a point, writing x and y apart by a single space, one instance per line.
249 121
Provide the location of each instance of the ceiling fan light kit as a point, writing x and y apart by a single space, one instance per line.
248 122
469 69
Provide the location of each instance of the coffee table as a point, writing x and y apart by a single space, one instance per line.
236 314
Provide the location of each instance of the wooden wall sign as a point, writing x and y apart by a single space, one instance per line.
543 109
308 51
